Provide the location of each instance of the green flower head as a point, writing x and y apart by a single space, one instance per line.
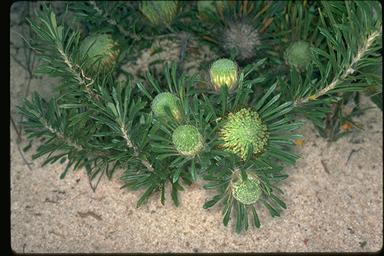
159 12
223 72
166 100
241 129
100 52
187 140
247 191
206 9
299 54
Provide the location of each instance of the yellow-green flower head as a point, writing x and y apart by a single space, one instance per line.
247 191
166 100
298 54
241 129
159 12
187 140
100 52
223 72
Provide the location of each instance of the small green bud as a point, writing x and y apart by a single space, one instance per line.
159 12
241 129
187 140
299 54
223 72
166 100
206 9
100 52
247 191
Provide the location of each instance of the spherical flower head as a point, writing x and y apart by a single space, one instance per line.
247 191
242 38
166 100
187 140
159 12
100 52
223 72
299 54
242 129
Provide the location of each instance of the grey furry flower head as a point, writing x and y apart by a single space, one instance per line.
242 38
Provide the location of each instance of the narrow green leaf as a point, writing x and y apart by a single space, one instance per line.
239 216
176 175
255 217
27 146
144 90
162 197
245 218
112 107
175 199
193 171
272 211
227 215
62 160
265 96
269 104
278 201
144 197
223 99
62 176
212 202
214 185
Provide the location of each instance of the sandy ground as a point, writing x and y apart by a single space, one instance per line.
334 204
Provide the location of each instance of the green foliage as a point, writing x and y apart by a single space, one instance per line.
349 41
165 129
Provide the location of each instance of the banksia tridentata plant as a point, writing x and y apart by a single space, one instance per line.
246 191
242 129
162 130
187 140
99 52
298 54
159 12
223 72
241 39
163 101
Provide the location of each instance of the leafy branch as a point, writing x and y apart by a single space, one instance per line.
349 70
136 152
57 38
